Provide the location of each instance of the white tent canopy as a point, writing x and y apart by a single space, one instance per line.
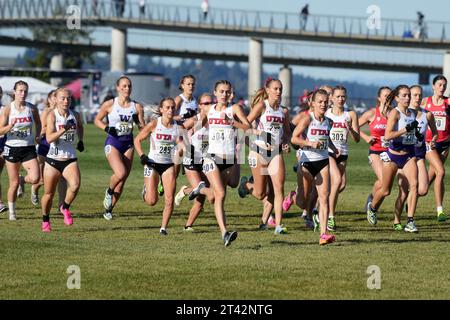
37 89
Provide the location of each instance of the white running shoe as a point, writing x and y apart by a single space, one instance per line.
107 215
3 207
107 202
21 189
34 197
180 196
12 216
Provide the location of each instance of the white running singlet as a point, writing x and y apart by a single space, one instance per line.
187 104
122 118
271 121
21 134
162 143
221 132
317 131
339 132
64 148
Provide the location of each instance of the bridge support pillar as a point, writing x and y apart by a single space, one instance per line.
446 71
56 64
118 49
255 57
285 76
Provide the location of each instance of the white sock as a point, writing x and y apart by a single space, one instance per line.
330 216
12 207
439 209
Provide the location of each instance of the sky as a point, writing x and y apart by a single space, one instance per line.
434 10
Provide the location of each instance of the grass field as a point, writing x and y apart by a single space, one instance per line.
126 258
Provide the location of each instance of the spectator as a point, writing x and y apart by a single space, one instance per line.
303 100
420 32
205 7
142 7
109 96
94 7
304 17
120 7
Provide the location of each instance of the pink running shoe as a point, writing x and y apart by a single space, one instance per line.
46 227
326 239
271 222
67 216
287 202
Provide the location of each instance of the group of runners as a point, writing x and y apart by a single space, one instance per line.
207 138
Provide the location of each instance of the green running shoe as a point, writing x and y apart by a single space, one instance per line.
331 225
371 214
441 217
160 189
397 227
316 222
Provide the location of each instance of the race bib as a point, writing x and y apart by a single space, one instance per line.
409 138
123 128
384 142
440 122
6 151
165 148
218 136
339 135
252 162
324 144
69 136
147 171
208 166
22 132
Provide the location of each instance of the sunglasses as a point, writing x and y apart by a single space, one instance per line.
205 103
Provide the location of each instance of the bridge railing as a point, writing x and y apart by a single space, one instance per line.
233 19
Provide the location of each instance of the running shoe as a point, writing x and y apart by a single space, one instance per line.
229 237
331 225
196 191
34 197
108 215
160 188
107 202
326 239
411 227
304 214
188 229
12 216
3 207
271 222
67 216
397 227
180 196
316 222
280 230
163 232
309 223
263 226
371 214
46 227
242 191
287 202
369 199
21 189
441 216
